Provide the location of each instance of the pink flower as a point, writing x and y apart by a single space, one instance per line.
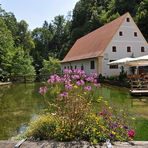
88 88
131 133
90 79
75 77
97 84
80 83
43 90
67 71
68 86
54 79
64 94
101 113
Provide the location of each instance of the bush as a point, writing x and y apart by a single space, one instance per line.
42 128
51 66
71 114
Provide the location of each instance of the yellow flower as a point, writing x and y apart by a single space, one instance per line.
133 118
106 103
113 133
75 86
94 129
85 93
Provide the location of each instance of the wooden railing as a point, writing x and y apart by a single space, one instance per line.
139 82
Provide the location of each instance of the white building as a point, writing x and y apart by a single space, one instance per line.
118 39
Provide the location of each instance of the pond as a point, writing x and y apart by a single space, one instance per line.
20 103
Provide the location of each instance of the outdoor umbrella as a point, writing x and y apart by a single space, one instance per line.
122 61
140 61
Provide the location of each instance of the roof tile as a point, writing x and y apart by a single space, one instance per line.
95 42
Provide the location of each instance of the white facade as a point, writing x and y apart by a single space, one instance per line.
82 64
127 36
128 39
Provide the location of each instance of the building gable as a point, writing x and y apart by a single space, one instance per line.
94 43
128 41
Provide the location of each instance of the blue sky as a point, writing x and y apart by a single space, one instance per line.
36 11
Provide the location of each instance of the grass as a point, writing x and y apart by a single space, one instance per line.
141 129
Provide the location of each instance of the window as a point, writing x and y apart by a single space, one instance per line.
92 64
65 67
82 68
71 67
128 49
114 49
75 67
120 33
68 67
135 34
128 19
142 49
113 66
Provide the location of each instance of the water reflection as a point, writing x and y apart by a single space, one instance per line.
17 105
20 103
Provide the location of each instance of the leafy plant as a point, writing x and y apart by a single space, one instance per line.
71 115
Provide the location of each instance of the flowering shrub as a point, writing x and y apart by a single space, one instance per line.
71 114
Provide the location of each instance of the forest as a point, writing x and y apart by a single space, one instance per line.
25 52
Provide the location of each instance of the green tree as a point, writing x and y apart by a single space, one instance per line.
50 66
43 44
11 23
22 63
61 36
142 17
6 47
24 38
123 6
87 16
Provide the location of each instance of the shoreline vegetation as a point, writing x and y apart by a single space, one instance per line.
70 113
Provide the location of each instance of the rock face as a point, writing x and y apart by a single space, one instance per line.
73 144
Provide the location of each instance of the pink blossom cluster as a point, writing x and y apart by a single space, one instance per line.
131 133
87 88
64 94
71 78
54 79
43 90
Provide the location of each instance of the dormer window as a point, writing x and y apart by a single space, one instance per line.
128 19
75 67
142 49
114 49
128 49
82 68
135 34
120 33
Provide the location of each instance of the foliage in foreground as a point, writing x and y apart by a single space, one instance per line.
50 66
71 115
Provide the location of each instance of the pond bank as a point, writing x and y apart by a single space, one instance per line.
73 144
5 83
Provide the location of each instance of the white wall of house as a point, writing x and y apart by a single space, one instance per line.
77 65
121 43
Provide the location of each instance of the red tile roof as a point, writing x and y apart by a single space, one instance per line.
95 42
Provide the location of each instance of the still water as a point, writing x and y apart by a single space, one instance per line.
20 103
